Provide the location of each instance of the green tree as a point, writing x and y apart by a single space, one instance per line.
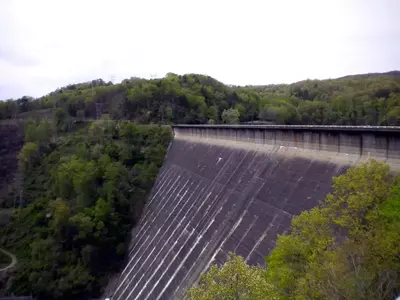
60 212
39 132
233 280
212 114
268 113
241 109
28 155
61 119
230 116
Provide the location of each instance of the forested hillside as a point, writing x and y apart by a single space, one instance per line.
367 99
84 186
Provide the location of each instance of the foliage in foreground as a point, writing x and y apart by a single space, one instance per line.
347 248
81 191
234 280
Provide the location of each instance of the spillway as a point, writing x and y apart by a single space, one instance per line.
235 188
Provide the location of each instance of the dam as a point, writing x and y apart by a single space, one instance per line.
234 188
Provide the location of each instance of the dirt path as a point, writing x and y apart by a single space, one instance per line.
13 260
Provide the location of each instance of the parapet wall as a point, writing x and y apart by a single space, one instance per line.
339 144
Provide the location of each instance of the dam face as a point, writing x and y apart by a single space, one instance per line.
231 188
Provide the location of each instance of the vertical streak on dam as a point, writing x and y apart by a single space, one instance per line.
235 188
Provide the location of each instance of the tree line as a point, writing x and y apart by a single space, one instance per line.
84 186
368 99
345 248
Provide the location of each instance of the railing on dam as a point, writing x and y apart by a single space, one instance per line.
345 142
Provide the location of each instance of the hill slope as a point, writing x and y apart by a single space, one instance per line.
364 99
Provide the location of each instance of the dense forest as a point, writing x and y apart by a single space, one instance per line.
368 99
83 187
346 248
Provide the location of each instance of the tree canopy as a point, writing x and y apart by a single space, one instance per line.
83 187
369 99
233 280
231 116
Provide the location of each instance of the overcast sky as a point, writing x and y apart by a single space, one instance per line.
49 44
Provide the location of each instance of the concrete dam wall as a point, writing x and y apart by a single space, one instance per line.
235 188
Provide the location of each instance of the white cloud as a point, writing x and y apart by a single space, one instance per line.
47 44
